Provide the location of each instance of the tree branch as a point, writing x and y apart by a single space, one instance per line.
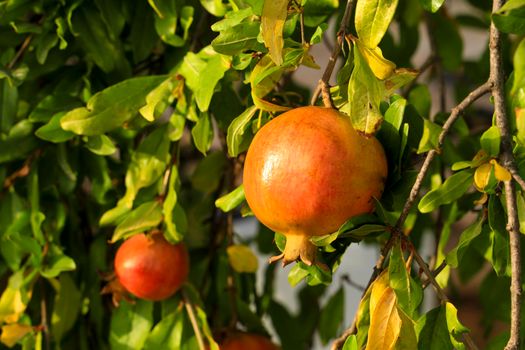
323 85
507 158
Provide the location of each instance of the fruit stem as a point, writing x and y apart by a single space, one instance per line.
298 246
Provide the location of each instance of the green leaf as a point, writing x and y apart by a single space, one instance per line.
214 163
130 325
409 293
431 5
490 141
296 275
56 262
232 200
433 331
210 75
272 23
519 67
365 92
429 139
102 47
159 99
53 132
202 72
167 333
372 18
50 105
101 145
202 133
234 40
66 307
452 189
420 98
454 257
146 216
238 126
174 216
455 327
351 343
332 316
8 105
510 18
215 7
166 19
500 251
111 107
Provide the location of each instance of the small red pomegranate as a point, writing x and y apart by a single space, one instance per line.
307 172
247 341
150 267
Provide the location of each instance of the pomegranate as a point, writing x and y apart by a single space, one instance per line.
247 341
307 172
150 267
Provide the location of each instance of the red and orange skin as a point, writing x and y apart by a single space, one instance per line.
150 267
308 171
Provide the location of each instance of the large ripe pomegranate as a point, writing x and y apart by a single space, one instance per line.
150 267
247 341
307 172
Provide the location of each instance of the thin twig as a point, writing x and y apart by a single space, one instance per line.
435 273
517 177
193 319
498 92
301 22
20 51
323 85
23 171
441 294
429 62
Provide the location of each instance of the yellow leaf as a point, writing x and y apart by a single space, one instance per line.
378 288
385 323
380 66
500 172
399 78
482 176
272 23
480 158
12 333
242 258
14 299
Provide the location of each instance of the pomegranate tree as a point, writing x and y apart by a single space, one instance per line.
150 267
307 172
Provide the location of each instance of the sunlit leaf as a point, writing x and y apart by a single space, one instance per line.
146 216
365 93
111 107
272 24
380 66
453 188
13 333
385 322
231 200
242 258
372 18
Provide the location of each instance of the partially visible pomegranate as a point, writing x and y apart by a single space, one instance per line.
247 341
307 172
151 268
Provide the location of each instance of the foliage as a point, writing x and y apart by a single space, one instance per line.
120 117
